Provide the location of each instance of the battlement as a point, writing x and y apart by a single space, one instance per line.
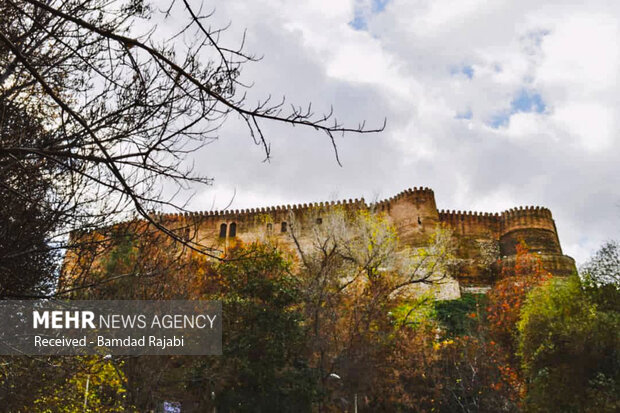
526 217
514 216
414 215
504 222
472 217
250 212
414 194
420 194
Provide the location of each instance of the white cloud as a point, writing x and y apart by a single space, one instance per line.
580 50
591 122
403 67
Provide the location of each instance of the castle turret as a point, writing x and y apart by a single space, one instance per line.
486 242
413 212
534 226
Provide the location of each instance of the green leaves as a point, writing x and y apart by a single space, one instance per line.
570 347
263 367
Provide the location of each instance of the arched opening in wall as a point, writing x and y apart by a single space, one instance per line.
223 231
232 231
186 234
419 221
270 227
283 227
319 221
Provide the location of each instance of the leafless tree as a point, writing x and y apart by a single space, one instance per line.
119 107
99 112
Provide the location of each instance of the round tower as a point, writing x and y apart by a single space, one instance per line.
414 214
535 227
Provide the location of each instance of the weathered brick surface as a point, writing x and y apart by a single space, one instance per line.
415 216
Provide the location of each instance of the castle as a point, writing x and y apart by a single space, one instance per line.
415 216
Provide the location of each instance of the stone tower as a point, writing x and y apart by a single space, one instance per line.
415 216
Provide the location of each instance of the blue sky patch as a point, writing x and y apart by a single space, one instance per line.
379 5
525 101
359 22
362 13
466 70
499 119
464 115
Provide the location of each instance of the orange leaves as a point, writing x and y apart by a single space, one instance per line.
508 295
503 312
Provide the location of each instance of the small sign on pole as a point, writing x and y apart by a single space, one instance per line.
172 407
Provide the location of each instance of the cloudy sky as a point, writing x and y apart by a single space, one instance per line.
493 104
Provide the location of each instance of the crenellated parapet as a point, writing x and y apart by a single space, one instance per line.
526 217
248 213
533 225
471 216
471 223
415 195
413 213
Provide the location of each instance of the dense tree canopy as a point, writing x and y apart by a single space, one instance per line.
569 345
29 212
569 340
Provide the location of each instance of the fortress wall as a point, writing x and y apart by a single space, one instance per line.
557 265
526 217
468 223
482 238
413 212
254 223
477 237
534 225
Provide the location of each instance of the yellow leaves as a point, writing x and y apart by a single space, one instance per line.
438 345
106 389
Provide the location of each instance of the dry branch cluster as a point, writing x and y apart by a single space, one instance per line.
114 106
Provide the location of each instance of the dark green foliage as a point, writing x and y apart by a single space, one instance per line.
570 348
461 317
263 368
570 339
27 217
264 365
122 256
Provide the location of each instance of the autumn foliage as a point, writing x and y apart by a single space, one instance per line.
508 295
344 319
505 301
